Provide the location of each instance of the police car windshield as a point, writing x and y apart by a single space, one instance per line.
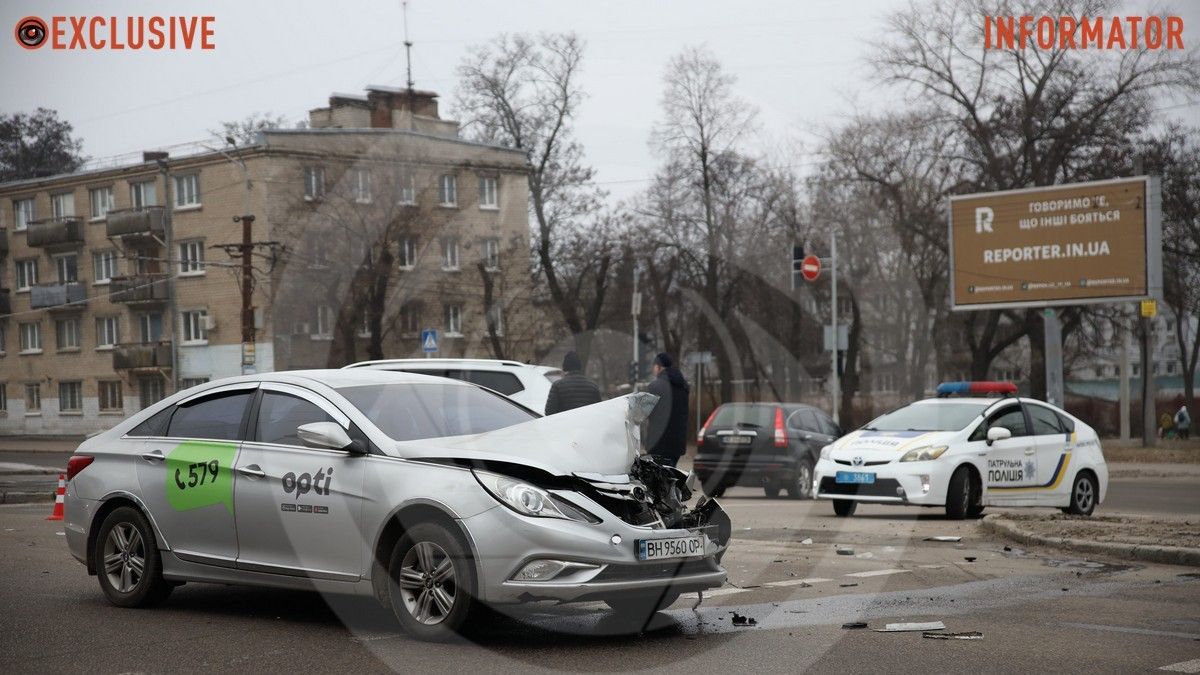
928 417
410 412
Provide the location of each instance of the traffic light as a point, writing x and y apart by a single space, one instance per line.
797 263
633 371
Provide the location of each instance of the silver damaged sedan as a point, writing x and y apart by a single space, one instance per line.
434 496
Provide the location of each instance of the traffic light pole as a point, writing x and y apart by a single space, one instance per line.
833 366
635 307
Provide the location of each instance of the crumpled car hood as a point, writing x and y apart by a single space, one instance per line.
603 438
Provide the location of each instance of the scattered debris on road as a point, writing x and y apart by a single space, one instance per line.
969 558
944 538
847 585
969 635
739 620
911 627
806 542
854 625
845 551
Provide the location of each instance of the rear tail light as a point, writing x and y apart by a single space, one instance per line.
78 463
704 429
781 439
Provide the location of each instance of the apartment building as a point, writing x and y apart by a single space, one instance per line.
117 284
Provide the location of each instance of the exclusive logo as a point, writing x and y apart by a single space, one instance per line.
113 33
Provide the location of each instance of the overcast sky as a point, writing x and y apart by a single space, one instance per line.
801 63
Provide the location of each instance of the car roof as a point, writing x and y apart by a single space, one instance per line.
334 378
499 364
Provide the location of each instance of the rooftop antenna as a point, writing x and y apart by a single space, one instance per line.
407 46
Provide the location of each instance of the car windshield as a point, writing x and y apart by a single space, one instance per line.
928 417
752 416
413 411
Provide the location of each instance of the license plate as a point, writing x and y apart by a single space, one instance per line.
675 547
856 477
737 440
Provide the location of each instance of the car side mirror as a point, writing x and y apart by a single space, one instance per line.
998 434
328 435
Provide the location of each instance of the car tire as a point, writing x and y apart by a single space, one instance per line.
1084 494
962 495
771 490
844 508
800 487
128 564
437 595
641 607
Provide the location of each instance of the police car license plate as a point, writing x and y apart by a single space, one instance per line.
675 547
855 477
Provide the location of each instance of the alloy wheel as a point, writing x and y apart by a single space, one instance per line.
124 557
427 582
1084 495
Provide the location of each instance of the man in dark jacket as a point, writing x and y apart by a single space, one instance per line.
573 390
666 433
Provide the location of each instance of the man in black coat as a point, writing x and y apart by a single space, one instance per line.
573 390
666 433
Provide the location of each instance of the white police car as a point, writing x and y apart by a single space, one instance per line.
965 454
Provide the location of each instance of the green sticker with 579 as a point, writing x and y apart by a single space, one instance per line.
200 473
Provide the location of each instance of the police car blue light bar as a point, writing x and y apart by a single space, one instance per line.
951 388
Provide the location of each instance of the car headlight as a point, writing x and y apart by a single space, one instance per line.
529 500
826 452
924 454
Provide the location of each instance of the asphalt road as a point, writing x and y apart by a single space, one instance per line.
1037 610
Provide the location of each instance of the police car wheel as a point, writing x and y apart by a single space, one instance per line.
962 495
844 508
1084 493
128 565
432 583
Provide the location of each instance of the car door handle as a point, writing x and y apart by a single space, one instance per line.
153 456
252 471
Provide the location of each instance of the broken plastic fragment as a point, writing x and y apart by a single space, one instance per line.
969 635
845 551
854 625
945 538
907 627
739 620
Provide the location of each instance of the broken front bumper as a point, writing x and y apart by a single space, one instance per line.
603 557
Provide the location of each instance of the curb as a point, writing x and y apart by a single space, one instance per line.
1169 555
25 497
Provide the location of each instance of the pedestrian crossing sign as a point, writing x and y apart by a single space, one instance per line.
429 340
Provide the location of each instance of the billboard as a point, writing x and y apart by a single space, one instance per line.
1061 245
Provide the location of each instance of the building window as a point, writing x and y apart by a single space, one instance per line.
410 318
408 188
189 382
104 265
33 397
150 327
491 254
362 186
70 397
102 202
3 397
151 390
318 253
62 205
449 253
314 182
487 193
453 320
67 268
31 338
187 190
3 337
110 395
324 323
26 274
194 331
407 255
143 194
495 320
22 213
66 332
191 258
108 331
448 190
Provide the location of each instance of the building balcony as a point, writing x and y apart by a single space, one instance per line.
5 302
142 356
66 231
68 296
144 221
139 289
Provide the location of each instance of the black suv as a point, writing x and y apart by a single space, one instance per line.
773 445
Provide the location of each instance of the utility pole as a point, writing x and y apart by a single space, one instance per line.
169 243
245 250
635 307
833 366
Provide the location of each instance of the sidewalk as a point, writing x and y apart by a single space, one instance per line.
30 444
1149 539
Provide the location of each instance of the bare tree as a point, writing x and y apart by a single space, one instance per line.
245 131
523 91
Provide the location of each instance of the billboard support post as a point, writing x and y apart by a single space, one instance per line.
1052 330
1124 397
1149 424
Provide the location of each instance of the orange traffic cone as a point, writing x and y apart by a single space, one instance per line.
59 495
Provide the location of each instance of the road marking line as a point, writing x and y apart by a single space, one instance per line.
796 582
1135 631
1192 666
723 591
876 573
